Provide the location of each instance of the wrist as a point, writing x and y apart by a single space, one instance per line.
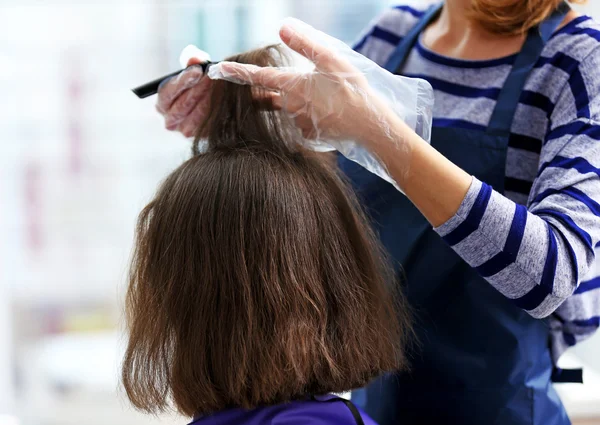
386 127
393 142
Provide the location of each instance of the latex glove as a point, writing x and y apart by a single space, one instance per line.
183 99
346 100
345 97
333 102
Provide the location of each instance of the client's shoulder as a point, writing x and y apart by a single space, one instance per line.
324 411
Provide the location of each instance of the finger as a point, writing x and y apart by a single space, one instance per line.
266 77
171 89
189 126
194 61
277 100
186 102
323 58
303 45
316 46
268 100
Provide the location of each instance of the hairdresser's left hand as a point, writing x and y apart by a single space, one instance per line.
332 102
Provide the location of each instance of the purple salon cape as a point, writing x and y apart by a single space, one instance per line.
323 410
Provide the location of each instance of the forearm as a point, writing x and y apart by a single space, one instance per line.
434 184
535 258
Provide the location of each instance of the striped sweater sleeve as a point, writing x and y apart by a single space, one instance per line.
537 255
578 317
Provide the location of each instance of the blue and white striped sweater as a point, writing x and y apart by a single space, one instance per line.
536 244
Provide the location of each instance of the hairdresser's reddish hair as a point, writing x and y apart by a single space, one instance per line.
512 17
255 278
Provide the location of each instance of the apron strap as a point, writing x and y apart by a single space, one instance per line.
355 413
508 99
400 54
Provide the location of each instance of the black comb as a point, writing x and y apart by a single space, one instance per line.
151 88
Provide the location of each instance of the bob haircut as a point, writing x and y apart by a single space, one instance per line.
255 277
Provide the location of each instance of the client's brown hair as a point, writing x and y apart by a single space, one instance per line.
255 278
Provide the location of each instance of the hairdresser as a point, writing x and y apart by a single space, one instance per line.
499 218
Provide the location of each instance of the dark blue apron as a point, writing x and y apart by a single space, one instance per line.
480 359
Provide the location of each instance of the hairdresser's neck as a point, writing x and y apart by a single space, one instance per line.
454 34
454 20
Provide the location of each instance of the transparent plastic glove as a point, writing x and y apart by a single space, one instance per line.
183 100
345 102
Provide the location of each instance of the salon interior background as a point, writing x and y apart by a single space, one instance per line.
80 155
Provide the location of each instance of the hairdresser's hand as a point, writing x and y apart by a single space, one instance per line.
183 100
333 102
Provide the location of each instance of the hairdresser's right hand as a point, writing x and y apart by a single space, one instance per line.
332 103
183 100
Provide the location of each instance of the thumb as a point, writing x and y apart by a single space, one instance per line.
193 61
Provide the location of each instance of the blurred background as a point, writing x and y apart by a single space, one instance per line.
80 155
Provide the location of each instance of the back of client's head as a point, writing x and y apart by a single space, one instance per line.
256 278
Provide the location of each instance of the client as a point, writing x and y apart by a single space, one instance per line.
257 289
